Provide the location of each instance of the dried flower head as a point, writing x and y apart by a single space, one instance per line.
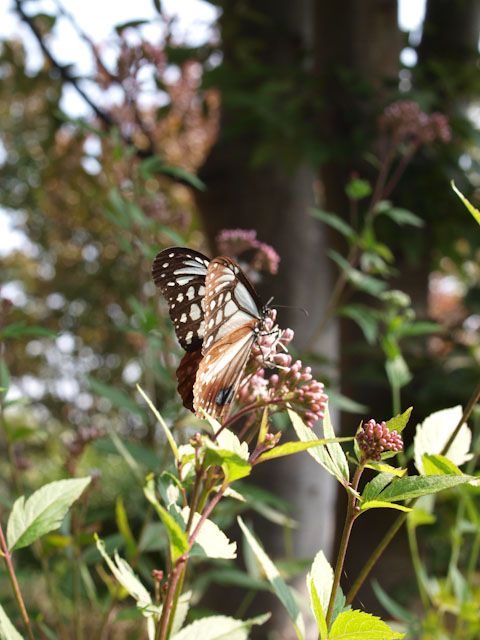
375 438
253 256
406 122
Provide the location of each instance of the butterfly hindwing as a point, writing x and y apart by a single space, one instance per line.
180 274
232 313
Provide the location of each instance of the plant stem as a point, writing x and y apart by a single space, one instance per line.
388 537
162 628
417 565
15 586
342 552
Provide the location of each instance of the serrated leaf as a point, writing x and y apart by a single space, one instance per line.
334 221
473 210
228 441
438 465
383 467
435 431
358 625
319 454
43 511
373 488
399 422
233 457
166 430
125 575
220 628
279 586
379 504
7 630
176 536
290 448
414 486
321 577
211 539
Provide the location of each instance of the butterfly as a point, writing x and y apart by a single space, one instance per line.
218 316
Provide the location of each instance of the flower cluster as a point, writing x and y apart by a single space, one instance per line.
375 438
254 256
291 384
406 122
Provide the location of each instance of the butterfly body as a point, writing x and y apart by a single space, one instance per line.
219 339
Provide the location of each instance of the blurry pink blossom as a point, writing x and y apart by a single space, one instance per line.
375 438
235 243
406 122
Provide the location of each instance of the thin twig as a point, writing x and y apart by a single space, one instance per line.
15 586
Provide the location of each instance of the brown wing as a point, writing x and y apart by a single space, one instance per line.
221 371
186 374
180 274
232 312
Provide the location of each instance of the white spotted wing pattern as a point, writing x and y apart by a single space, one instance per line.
217 314
180 274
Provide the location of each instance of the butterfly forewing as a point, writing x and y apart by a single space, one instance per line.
232 313
180 274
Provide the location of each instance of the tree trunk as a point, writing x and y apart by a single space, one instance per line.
275 199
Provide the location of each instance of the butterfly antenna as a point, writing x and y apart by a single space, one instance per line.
287 306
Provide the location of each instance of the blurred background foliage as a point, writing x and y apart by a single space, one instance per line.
276 111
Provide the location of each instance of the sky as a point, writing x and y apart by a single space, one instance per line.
193 24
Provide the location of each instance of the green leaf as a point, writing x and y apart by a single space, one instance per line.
398 372
373 488
219 628
7 630
19 329
334 221
124 527
4 377
414 486
410 329
229 453
131 24
176 536
436 464
319 454
335 450
280 588
211 540
319 585
118 398
358 625
360 280
357 189
383 467
184 176
398 423
289 448
403 216
380 504
317 610
393 608
166 430
43 511
125 575
366 319
475 212
158 6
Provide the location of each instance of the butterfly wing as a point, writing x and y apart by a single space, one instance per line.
232 313
186 375
180 274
